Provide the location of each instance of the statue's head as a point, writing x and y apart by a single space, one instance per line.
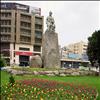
50 13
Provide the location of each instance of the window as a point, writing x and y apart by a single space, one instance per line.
25 49
5 38
25 39
25 24
6 53
5 46
37 48
85 45
25 31
38 20
38 40
84 48
25 17
6 14
5 29
38 34
1 30
38 26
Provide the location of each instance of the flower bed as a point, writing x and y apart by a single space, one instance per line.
39 89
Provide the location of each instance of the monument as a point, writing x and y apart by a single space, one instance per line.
50 51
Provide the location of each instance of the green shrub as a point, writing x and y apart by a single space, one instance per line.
2 62
11 80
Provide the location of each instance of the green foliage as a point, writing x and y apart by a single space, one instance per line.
93 50
11 80
2 62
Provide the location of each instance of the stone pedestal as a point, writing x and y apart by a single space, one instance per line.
50 51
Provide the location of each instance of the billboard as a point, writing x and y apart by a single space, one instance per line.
7 6
14 6
22 7
73 56
35 10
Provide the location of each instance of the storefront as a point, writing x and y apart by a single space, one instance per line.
24 57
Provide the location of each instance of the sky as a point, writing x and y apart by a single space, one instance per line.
75 20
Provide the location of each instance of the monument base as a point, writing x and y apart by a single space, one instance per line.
50 51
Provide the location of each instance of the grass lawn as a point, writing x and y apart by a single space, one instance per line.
84 80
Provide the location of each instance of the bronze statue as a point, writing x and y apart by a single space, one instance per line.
50 22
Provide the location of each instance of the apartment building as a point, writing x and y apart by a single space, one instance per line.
78 48
75 51
21 33
74 54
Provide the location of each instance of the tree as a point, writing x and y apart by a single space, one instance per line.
93 49
2 62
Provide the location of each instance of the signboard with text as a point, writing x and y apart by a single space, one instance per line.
22 7
15 6
24 53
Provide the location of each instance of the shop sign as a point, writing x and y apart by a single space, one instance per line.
24 53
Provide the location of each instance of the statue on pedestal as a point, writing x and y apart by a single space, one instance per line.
50 48
50 22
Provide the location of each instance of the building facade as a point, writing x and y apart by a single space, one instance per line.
75 50
21 33
78 48
74 54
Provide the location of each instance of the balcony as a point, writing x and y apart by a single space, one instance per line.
37 29
3 25
5 40
5 18
26 20
23 27
5 33
26 35
38 22
24 39
25 42
37 43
